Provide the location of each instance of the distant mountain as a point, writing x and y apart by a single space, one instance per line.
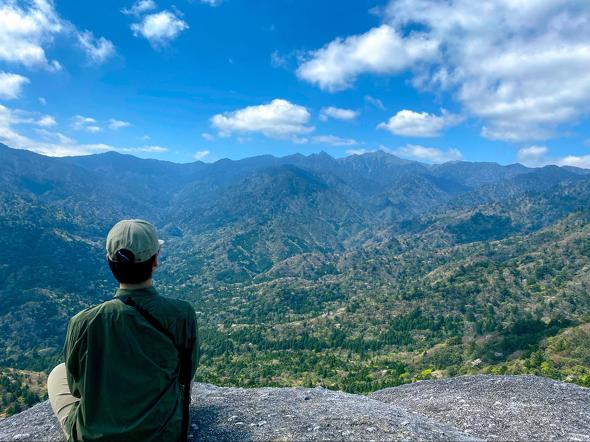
356 273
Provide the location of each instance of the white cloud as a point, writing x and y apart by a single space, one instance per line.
43 101
118 124
381 50
140 7
62 146
46 121
98 50
277 119
24 31
513 131
419 124
143 149
576 161
521 67
429 154
334 140
55 136
358 151
211 2
375 102
87 124
53 143
208 136
539 156
201 155
159 28
11 85
533 156
28 29
79 121
277 60
337 113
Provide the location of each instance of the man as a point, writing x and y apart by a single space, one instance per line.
125 359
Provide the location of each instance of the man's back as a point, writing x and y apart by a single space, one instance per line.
125 371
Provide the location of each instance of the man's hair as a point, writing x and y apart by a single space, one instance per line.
127 271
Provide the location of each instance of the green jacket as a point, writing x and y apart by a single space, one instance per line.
124 371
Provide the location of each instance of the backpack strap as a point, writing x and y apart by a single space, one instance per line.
184 358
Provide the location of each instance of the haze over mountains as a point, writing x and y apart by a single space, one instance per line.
354 273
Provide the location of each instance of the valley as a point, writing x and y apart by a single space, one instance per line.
355 274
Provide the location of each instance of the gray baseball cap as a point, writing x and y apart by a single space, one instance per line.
135 235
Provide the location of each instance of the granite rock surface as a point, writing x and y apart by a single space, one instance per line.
463 408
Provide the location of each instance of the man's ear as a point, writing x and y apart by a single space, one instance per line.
155 263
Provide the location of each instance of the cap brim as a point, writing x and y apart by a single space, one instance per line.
160 244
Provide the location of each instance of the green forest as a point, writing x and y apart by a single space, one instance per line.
353 274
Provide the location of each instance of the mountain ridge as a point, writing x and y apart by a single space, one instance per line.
358 273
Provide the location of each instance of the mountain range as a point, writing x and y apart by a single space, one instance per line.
355 273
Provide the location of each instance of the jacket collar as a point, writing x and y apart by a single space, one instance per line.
147 291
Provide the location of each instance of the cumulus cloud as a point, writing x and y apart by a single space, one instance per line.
334 140
11 85
337 113
46 121
118 124
521 67
533 156
27 29
576 161
201 155
277 119
419 124
539 156
140 7
428 154
59 146
88 124
53 143
98 50
381 50
159 28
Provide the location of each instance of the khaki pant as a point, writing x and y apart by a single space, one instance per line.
60 398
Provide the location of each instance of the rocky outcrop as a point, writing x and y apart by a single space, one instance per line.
500 407
464 408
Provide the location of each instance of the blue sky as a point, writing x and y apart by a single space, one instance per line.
434 81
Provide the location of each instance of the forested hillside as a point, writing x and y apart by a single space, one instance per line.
355 274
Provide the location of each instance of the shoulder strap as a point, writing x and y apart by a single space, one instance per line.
149 318
184 356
